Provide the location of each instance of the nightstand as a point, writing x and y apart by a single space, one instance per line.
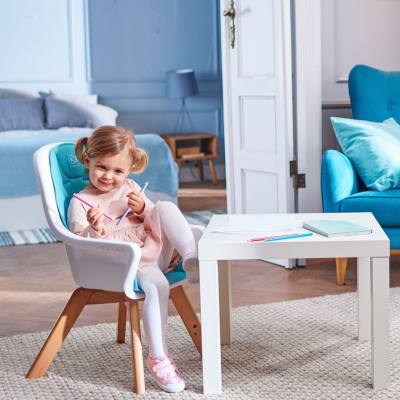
197 146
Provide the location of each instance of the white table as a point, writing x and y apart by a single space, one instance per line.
372 253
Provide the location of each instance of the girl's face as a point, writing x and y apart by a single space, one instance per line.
109 172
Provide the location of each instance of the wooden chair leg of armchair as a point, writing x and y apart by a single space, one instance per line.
121 322
341 268
64 323
137 353
189 317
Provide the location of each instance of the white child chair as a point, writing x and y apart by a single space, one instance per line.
104 271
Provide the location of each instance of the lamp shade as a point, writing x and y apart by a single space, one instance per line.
181 83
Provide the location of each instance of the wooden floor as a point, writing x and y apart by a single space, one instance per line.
35 280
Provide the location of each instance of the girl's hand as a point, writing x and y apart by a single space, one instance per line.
94 216
136 202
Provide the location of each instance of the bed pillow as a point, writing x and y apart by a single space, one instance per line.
373 148
61 113
73 98
16 94
21 113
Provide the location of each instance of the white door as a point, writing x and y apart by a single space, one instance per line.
257 84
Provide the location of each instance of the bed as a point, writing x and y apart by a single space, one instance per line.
20 205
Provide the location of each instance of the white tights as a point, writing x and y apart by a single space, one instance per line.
175 233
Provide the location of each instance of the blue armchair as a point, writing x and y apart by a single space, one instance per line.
374 96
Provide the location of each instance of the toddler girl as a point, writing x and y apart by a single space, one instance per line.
109 155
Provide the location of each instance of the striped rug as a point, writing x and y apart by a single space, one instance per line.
45 235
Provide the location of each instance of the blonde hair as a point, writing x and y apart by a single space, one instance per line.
111 140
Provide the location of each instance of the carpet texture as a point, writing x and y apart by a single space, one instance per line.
45 235
303 349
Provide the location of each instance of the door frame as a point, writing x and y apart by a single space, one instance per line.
308 94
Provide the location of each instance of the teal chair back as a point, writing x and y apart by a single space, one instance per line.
374 94
68 175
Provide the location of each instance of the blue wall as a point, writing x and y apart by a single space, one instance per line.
119 49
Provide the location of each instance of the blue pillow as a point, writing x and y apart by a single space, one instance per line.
61 113
373 148
21 113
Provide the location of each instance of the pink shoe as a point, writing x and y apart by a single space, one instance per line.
166 374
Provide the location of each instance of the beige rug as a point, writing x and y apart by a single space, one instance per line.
304 349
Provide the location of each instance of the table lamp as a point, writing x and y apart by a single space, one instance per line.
181 83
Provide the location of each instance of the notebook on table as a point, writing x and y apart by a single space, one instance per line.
333 228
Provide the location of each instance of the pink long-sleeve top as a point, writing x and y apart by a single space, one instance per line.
143 229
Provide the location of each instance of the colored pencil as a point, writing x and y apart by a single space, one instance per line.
128 209
80 198
278 237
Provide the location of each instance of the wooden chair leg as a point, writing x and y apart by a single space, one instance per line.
121 322
189 317
212 172
137 354
341 268
64 323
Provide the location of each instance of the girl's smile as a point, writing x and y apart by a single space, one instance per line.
109 172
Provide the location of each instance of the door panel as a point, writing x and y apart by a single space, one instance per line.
256 26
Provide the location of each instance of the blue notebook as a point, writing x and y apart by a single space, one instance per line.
332 228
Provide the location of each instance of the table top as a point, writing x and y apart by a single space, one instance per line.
234 246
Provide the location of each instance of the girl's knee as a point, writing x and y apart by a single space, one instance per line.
163 288
166 206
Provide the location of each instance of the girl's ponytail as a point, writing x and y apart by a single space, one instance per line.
141 160
80 148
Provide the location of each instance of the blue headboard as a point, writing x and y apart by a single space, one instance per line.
374 94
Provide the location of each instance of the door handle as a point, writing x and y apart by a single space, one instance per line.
231 13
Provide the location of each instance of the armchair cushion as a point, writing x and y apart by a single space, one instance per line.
373 148
384 205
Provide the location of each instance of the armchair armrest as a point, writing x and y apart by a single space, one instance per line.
102 264
338 180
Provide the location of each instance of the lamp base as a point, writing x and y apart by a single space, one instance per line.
182 115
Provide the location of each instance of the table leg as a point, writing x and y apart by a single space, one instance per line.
364 298
380 322
210 327
225 301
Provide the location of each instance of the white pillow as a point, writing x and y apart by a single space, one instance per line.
75 98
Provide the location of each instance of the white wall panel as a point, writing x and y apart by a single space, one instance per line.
357 32
36 41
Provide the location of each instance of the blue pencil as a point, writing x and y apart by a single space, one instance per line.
298 235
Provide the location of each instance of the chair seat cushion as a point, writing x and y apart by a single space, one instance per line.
384 205
175 276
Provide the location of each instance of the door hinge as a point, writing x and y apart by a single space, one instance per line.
299 180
